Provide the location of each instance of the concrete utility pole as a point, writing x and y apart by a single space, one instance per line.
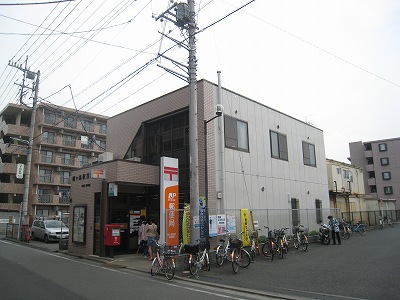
24 206
185 19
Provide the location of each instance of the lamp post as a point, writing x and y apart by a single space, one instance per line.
218 113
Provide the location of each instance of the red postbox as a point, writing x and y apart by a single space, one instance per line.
112 235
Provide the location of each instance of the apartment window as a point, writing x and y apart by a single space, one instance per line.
295 211
388 190
68 140
65 177
236 134
47 156
386 176
66 159
44 196
50 118
318 210
384 161
87 125
338 171
86 142
382 147
346 174
309 154
48 137
45 175
83 160
102 145
278 145
103 128
42 212
69 122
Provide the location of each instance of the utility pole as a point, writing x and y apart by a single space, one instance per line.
185 18
30 75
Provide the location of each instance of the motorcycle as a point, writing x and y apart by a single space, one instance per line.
324 234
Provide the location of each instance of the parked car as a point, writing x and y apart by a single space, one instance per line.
49 230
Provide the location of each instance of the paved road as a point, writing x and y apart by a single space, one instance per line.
28 273
365 267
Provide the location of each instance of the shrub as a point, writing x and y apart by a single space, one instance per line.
313 232
262 239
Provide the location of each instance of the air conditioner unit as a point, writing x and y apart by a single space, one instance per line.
136 159
106 156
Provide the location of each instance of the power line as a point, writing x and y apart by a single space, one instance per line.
35 3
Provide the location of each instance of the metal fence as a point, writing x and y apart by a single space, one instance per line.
370 217
231 220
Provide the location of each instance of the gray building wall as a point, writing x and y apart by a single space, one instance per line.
359 155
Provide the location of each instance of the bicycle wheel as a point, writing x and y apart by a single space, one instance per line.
304 243
169 268
219 255
235 260
244 258
296 242
206 263
155 267
193 265
281 250
362 230
267 250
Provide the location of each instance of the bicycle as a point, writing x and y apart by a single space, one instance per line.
281 243
345 230
268 249
198 257
224 251
300 238
361 228
163 262
255 247
240 256
386 221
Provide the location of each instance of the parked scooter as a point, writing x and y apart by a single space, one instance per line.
324 234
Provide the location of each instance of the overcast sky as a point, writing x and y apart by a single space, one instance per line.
334 64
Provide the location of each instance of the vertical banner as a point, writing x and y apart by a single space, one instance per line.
169 201
186 225
244 212
203 217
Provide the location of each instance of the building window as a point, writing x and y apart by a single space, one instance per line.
45 175
101 145
87 125
69 122
68 140
47 156
44 196
42 212
48 137
386 176
338 171
83 160
382 147
86 142
295 212
64 178
278 145
78 225
50 118
318 210
66 159
236 134
102 128
384 161
347 174
388 190
309 154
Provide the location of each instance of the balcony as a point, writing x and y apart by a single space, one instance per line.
8 168
368 153
45 199
12 188
369 168
13 149
16 130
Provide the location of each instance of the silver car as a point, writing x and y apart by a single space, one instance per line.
49 230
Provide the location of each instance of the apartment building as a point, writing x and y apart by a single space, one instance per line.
64 140
346 188
381 165
257 158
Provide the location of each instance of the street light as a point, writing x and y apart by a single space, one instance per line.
218 113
